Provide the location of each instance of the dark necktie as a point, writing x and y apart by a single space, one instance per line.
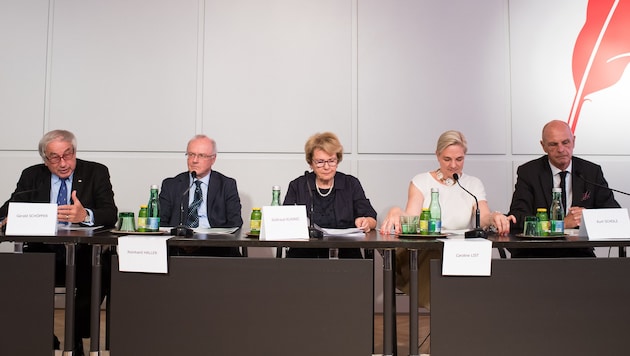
563 185
62 197
193 217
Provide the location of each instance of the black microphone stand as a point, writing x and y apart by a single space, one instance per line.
181 229
579 175
477 232
313 232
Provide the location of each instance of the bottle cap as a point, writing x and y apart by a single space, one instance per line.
154 186
556 190
143 206
275 187
541 210
255 208
434 190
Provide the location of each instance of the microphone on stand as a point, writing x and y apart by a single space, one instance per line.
313 232
579 175
13 199
477 231
181 229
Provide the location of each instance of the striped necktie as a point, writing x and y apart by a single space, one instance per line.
193 217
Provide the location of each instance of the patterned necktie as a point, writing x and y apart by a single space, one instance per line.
193 217
62 197
563 185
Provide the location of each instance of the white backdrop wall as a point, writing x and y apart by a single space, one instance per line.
134 80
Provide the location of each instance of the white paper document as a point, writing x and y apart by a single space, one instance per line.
78 227
143 254
215 230
466 257
350 232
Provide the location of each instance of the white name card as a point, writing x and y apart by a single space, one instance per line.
38 219
283 223
605 224
143 254
469 257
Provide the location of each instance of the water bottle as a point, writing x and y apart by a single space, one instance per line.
275 193
142 218
435 222
556 213
153 210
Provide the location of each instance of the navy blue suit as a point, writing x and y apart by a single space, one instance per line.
223 205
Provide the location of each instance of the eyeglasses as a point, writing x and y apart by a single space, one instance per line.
54 159
199 155
319 163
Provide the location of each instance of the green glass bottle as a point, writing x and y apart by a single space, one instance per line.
556 213
153 210
435 224
275 195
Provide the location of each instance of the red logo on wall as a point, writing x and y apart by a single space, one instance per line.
601 52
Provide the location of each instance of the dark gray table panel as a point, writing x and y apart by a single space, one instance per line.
244 306
533 307
27 299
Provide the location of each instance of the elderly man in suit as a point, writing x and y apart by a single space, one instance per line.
559 167
212 200
83 192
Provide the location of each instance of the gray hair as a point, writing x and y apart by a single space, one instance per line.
56 135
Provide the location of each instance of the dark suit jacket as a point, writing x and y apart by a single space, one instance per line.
534 184
350 203
94 190
223 203
90 180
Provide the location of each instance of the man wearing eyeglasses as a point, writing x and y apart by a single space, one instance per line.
83 192
212 200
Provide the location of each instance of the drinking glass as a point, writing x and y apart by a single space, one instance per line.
409 224
531 226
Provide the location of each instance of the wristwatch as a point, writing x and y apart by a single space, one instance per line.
87 219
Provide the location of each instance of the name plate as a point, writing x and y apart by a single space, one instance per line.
36 219
469 257
605 224
143 254
284 223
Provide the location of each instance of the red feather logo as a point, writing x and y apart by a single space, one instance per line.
601 52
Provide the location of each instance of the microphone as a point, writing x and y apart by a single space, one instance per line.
313 232
13 199
181 229
579 175
477 231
